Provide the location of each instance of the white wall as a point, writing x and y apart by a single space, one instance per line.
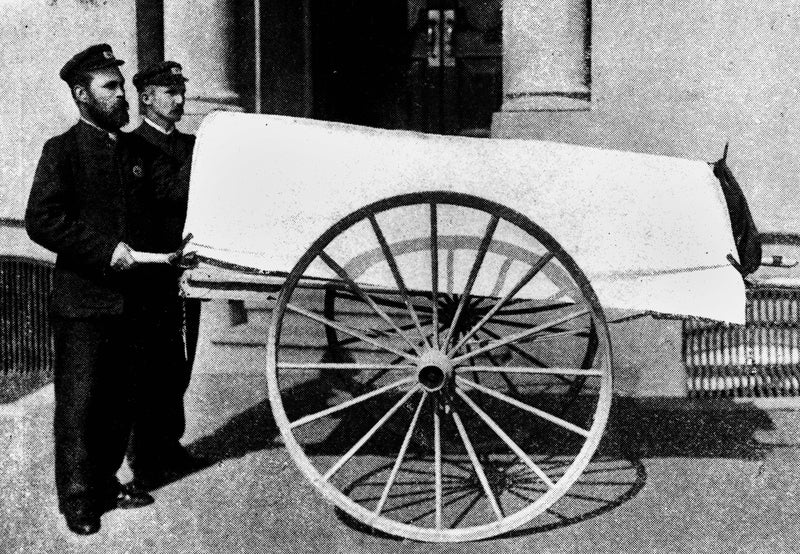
36 38
681 77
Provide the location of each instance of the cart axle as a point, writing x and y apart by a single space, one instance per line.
434 370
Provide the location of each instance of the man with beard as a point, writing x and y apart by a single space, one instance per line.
155 452
93 194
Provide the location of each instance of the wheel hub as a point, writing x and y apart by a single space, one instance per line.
434 370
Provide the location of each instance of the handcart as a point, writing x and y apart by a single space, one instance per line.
439 360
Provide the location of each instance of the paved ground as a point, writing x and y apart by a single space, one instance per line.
670 477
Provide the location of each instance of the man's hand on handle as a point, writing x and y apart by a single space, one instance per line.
122 259
125 257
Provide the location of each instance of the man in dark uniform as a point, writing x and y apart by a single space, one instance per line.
162 93
92 200
155 451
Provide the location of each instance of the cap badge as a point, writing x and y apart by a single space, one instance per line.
107 54
176 70
137 170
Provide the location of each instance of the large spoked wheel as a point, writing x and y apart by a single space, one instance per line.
470 382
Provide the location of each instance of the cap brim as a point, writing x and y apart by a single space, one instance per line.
166 82
104 64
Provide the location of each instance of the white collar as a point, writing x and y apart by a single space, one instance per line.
158 127
112 136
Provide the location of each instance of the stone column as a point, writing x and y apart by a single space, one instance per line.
199 35
545 49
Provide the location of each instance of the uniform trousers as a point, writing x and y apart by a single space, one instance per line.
158 388
94 367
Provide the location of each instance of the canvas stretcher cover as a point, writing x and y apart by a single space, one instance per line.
651 233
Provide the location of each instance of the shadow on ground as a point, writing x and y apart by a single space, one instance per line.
637 430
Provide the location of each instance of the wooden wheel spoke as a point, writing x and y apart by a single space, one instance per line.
520 351
352 402
473 275
374 429
487 489
450 270
435 274
364 296
472 363
570 371
580 332
509 383
556 331
509 323
398 462
506 439
522 406
375 333
437 465
345 329
343 366
515 348
535 309
502 275
521 335
381 301
390 259
537 267
553 332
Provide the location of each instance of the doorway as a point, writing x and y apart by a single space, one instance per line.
426 65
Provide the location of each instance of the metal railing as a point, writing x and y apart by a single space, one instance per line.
26 339
758 359
762 357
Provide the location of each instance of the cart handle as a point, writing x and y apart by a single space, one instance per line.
179 258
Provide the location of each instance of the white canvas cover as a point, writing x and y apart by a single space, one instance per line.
651 232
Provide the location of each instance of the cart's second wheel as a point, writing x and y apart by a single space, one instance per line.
465 326
338 344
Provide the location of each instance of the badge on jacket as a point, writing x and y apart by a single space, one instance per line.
137 170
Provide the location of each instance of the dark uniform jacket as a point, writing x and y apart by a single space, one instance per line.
89 193
178 146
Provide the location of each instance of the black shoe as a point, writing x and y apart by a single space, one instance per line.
131 495
84 524
81 520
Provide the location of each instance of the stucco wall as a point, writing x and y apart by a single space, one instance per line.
36 38
14 241
682 77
